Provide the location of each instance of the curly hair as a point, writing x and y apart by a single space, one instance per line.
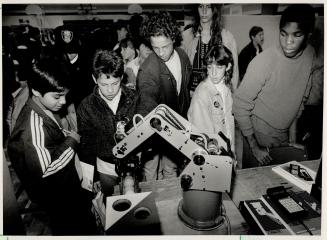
221 56
108 63
161 24
216 25
129 42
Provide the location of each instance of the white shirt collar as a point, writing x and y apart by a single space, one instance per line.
74 59
112 104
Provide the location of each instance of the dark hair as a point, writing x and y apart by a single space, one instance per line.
303 14
107 62
216 25
221 56
121 24
254 31
161 24
48 74
128 42
144 42
134 24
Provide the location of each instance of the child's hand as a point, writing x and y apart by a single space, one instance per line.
75 135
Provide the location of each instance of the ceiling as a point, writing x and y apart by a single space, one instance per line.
113 8
53 9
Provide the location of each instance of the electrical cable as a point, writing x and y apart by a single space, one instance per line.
134 119
226 219
204 137
169 117
305 226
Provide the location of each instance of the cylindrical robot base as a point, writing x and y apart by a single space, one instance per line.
201 210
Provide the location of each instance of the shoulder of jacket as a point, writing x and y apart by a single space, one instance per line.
87 102
151 63
188 33
227 35
204 88
318 60
181 52
265 62
245 49
32 106
89 99
268 55
129 93
184 57
25 114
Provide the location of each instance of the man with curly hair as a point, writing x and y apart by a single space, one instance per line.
163 78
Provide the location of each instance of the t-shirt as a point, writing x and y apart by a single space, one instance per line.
113 104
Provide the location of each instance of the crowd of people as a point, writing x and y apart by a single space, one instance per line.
63 122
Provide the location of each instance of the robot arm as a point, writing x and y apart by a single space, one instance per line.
205 171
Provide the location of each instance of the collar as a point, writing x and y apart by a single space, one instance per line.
307 51
126 93
213 88
182 58
172 57
41 112
74 59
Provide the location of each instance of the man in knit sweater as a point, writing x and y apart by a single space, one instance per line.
275 86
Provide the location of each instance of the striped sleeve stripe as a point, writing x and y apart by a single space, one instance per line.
38 140
63 157
47 153
60 163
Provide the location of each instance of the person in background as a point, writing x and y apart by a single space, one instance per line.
101 113
163 78
69 47
135 52
310 124
9 81
134 24
122 33
144 49
275 87
42 152
211 105
207 31
130 56
251 50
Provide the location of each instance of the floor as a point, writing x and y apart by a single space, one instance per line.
35 221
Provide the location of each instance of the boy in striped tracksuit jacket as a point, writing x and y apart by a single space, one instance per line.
42 153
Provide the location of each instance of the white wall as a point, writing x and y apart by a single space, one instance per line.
57 20
239 26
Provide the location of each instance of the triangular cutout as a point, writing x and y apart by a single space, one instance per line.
112 215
